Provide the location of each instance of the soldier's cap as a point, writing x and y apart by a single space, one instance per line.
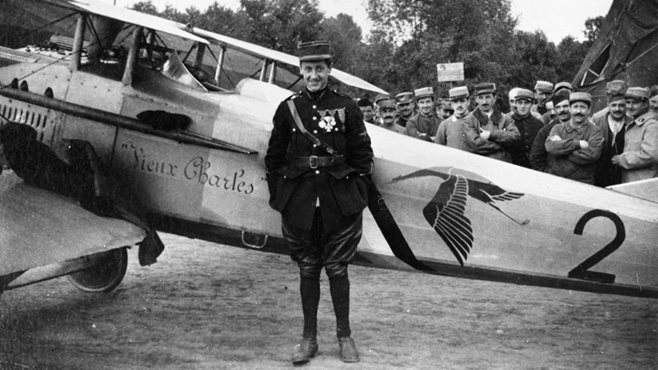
365 102
560 96
580 97
457 93
544 86
615 90
512 93
386 103
654 91
314 50
638 93
561 86
404 97
380 97
485 88
424 92
524 94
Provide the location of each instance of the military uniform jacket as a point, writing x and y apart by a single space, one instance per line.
639 161
528 127
450 133
503 134
565 156
295 189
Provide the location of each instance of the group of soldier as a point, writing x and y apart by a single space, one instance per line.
551 129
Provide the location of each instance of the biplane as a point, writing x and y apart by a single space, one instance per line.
155 100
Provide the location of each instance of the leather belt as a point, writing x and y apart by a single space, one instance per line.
314 161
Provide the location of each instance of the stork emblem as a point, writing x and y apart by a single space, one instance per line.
445 212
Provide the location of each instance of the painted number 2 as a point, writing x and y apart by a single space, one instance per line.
582 270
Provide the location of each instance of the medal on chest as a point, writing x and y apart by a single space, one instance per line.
328 117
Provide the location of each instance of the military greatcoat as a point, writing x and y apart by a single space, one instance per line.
296 185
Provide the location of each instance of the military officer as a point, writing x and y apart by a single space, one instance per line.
318 163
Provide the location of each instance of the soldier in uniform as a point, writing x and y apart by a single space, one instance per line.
404 102
450 131
319 184
425 123
528 126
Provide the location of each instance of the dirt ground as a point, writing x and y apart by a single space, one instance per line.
208 306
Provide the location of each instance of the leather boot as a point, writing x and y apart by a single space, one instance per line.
304 351
348 352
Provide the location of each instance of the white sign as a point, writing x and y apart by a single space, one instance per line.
450 72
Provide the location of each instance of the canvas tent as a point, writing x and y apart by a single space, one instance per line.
626 49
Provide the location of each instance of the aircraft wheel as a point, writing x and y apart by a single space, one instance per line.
104 275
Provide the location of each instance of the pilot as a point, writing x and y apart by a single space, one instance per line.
318 164
404 103
639 161
424 124
450 130
488 131
574 147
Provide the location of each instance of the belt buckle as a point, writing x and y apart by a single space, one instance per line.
313 161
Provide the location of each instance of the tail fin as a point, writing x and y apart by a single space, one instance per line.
645 189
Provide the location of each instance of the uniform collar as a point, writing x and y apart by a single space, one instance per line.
316 95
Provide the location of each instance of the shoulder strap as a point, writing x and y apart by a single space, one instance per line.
300 126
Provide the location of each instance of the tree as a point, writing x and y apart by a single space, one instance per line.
592 28
281 24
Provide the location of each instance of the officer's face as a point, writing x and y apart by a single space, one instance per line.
523 107
368 113
617 109
315 73
579 111
485 102
425 106
562 111
653 102
636 107
406 109
388 115
512 103
461 107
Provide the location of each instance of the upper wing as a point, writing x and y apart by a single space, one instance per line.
445 213
136 18
38 228
278 56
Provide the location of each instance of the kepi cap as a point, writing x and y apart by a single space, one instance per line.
581 97
524 94
404 97
485 88
544 86
639 93
314 50
386 103
561 86
380 97
459 92
615 90
424 92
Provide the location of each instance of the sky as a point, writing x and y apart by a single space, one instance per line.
556 18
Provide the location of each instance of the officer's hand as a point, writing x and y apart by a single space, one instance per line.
615 160
584 144
484 135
